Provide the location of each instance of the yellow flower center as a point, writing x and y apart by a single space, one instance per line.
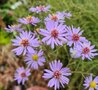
37 30
35 57
13 25
29 18
93 84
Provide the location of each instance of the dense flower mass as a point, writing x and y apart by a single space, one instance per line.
13 28
32 45
57 75
29 20
90 83
39 9
54 34
74 36
21 75
35 59
25 42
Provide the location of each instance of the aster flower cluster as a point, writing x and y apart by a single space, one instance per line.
80 46
55 33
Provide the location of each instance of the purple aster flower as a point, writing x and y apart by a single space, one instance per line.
21 75
35 59
25 42
13 28
39 9
90 83
74 36
87 50
54 34
59 16
75 53
67 15
57 75
29 20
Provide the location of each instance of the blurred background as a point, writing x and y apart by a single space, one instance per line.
84 15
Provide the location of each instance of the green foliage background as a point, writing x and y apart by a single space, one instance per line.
84 15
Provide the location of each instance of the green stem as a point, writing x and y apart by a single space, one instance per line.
65 47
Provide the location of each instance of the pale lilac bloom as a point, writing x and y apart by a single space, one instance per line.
87 50
54 34
74 36
39 9
29 20
21 75
13 28
90 83
35 59
75 53
58 17
25 42
57 75
67 15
